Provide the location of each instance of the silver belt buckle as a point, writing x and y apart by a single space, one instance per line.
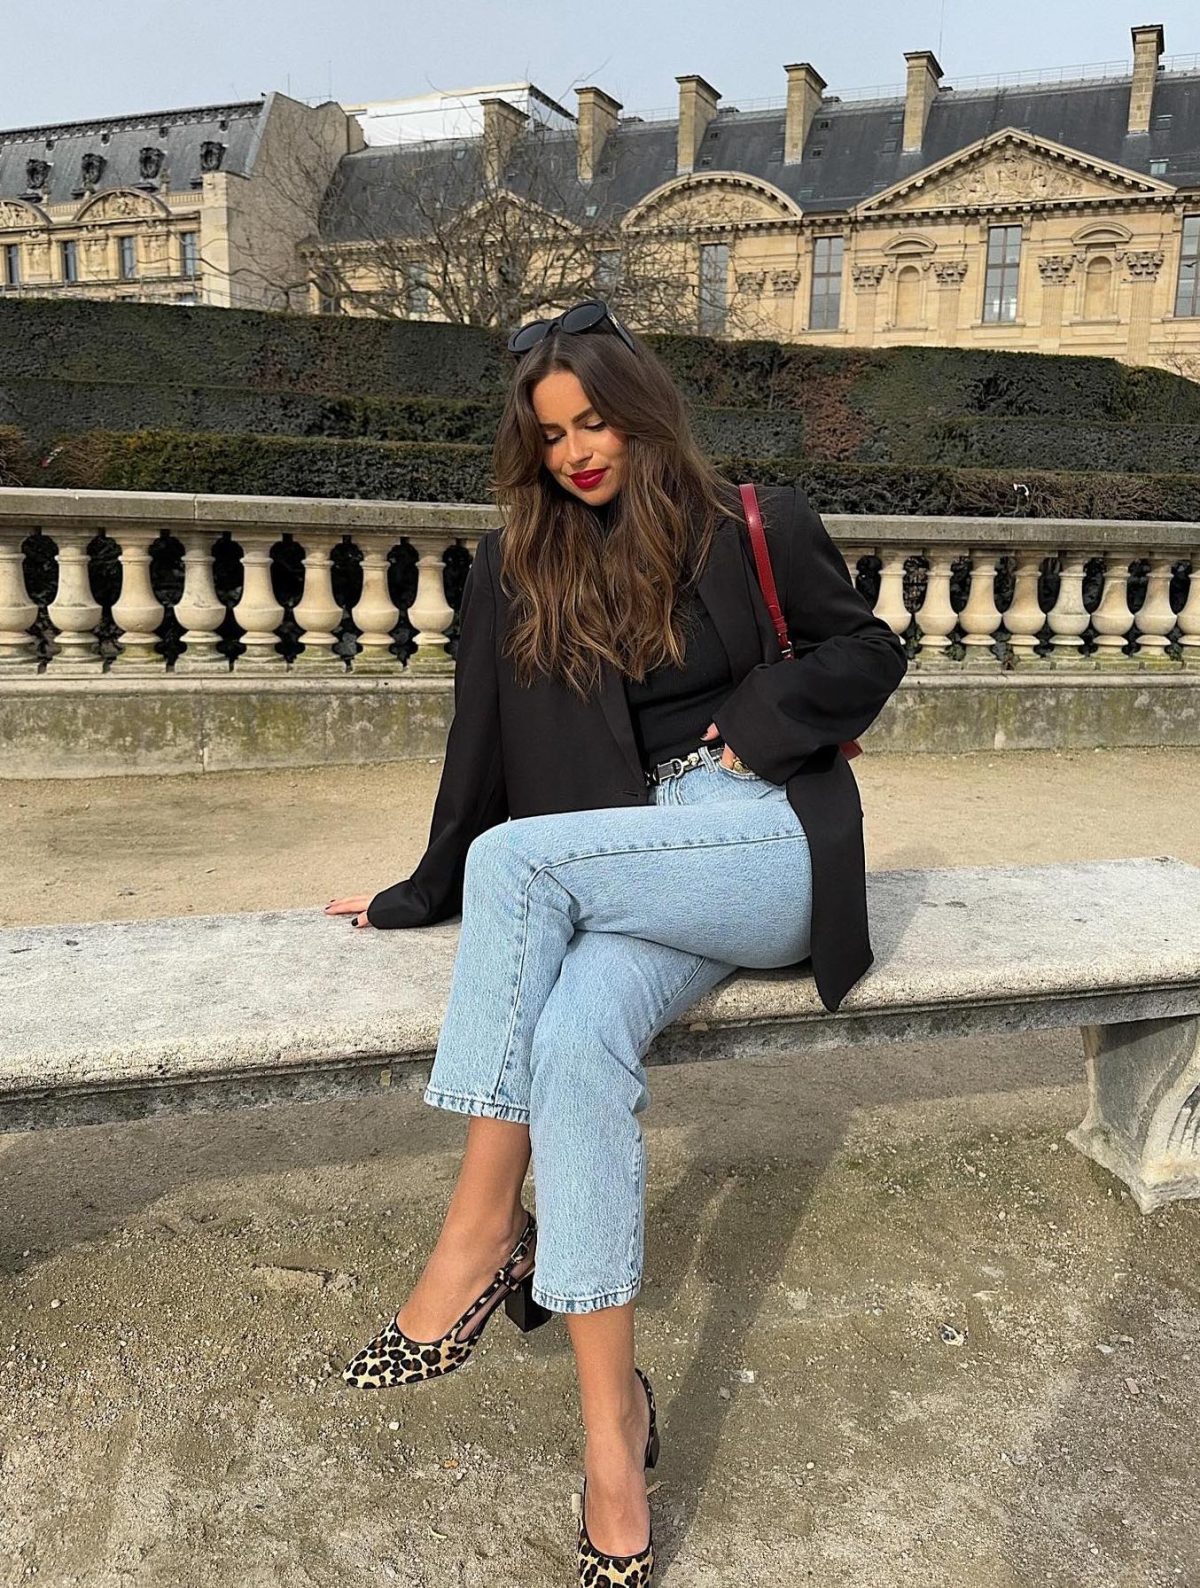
674 766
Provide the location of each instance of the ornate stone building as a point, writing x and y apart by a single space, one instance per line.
183 206
1062 216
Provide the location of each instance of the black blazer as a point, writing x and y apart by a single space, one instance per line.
525 752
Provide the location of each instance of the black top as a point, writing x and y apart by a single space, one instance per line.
672 706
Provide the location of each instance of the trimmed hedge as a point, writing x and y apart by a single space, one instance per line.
410 471
153 344
1038 443
187 374
48 409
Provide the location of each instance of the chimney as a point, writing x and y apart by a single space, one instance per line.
805 85
598 113
501 124
924 75
697 107
1147 47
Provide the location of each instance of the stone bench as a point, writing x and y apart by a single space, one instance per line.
114 1020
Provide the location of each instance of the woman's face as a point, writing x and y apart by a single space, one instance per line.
576 440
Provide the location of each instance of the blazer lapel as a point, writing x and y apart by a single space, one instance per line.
730 592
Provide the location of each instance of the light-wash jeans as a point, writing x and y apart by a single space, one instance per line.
584 934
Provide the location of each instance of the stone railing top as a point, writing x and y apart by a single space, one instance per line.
24 507
133 1005
177 510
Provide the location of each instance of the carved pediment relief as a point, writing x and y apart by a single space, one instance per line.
1012 167
721 199
121 205
15 214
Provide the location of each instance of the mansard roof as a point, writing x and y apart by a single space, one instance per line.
846 157
119 141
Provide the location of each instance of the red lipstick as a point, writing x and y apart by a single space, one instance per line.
588 480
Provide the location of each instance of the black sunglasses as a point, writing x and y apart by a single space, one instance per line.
590 315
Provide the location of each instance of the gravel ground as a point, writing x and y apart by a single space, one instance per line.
899 1331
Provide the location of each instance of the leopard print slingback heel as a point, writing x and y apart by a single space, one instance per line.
392 1357
620 1571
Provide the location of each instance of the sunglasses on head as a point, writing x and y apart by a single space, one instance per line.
591 315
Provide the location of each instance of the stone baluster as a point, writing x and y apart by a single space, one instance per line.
75 612
936 616
199 609
137 611
18 648
980 618
1025 619
1068 616
1155 620
890 605
1112 618
317 613
430 614
852 556
375 613
258 612
1189 617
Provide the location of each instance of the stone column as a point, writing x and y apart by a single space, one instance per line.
1155 620
1055 271
317 612
137 611
430 615
1112 618
783 285
258 612
890 605
375 613
199 609
949 275
1142 266
18 648
865 279
1025 619
936 616
74 611
1068 616
980 618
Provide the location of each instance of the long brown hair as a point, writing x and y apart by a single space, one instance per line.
580 595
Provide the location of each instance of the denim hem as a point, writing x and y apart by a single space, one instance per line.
459 1103
605 1298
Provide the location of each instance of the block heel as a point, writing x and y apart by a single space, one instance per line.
524 1311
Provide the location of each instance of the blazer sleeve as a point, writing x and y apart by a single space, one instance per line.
471 796
846 660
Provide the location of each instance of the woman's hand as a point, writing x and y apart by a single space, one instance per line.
356 907
729 757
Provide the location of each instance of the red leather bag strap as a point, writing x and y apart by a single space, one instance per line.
766 578
762 561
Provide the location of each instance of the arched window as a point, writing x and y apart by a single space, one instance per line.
1097 289
908 296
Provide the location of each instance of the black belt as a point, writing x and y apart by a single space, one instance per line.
677 763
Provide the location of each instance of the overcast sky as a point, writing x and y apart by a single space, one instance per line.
74 59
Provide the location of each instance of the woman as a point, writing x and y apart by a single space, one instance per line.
638 797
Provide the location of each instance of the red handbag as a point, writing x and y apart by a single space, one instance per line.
766 579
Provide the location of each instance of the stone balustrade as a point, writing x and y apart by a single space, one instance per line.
1025 582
